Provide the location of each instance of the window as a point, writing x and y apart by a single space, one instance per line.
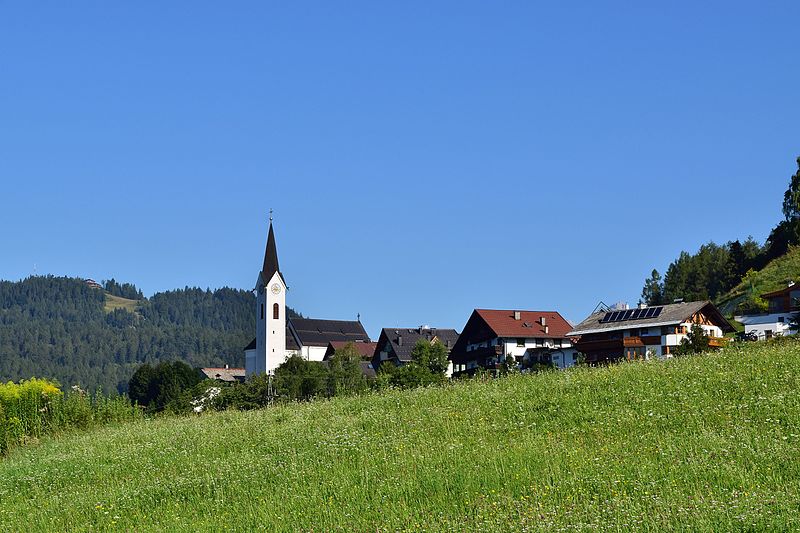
276 311
262 311
780 319
520 343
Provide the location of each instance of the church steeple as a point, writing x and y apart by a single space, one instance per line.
270 257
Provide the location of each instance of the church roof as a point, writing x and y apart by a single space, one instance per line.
316 332
271 258
291 344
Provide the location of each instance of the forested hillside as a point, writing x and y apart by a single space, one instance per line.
729 273
59 328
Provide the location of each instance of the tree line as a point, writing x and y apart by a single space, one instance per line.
177 387
716 269
57 327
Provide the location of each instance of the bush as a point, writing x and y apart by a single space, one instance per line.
34 408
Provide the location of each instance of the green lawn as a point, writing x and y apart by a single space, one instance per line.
706 443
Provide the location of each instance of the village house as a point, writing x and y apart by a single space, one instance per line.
226 374
645 332
529 337
395 344
780 319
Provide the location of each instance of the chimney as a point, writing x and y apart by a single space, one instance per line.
642 305
547 330
226 367
517 315
399 340
791 283
544 321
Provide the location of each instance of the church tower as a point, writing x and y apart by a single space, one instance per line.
270 313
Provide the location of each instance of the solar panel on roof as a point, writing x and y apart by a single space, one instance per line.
632 314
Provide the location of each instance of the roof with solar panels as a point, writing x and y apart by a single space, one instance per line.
660 315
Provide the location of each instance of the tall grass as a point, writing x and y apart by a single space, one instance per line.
34 408
701 443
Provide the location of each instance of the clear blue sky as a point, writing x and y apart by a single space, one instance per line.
422 158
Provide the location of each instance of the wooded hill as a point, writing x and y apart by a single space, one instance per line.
60 328
734 274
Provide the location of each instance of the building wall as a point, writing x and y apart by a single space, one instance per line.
270 332
313 353
249 362
773 324
564 355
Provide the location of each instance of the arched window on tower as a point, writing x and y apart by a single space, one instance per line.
275 311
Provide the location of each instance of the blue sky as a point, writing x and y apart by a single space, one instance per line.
422 158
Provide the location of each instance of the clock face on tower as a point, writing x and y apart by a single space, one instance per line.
276 289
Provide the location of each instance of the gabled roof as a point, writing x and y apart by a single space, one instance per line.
317 332
503 323
365 349
781 292
223 374
403 339
670 315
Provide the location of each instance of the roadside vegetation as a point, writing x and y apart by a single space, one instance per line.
698 443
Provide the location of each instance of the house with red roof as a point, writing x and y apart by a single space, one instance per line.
490 336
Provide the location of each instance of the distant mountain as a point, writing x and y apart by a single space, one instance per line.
62 328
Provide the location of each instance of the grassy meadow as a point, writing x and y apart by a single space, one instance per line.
117 302
704 443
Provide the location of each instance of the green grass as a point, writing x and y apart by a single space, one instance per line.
117 302
706 443
771 278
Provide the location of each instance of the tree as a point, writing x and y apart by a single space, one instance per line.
298 379
697 341
431 356
791 199
157 387
344 372
140 385
653 291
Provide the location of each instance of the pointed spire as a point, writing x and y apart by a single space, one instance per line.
270 255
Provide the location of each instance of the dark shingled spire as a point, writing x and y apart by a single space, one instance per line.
270 258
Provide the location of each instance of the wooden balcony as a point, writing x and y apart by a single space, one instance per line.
717 342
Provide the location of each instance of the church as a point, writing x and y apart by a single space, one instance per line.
278 336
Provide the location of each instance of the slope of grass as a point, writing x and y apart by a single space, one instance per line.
118 302
771 278
706 443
